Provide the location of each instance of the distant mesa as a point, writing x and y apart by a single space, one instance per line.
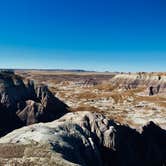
58 70
154 84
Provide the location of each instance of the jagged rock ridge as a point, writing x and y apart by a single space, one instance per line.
84 138
24 103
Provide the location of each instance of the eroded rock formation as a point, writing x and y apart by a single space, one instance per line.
153 84
26 103
84 138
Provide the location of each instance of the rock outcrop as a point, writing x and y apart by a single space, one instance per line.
24 103
154 84
84 138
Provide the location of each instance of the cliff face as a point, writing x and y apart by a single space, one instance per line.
154 84
26 103
84 138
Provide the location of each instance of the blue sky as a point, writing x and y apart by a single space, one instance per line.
114 35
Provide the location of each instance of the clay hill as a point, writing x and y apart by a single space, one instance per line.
24 103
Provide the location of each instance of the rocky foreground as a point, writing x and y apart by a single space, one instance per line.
84 138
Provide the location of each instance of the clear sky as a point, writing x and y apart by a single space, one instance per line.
114 35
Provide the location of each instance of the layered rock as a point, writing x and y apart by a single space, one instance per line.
23 103
153 84
84 138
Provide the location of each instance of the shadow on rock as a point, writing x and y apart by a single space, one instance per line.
26 103
147 148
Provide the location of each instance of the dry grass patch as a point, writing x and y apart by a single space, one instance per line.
85 107
158 100
106 87
11 150
86 95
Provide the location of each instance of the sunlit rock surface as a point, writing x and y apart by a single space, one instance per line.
84 138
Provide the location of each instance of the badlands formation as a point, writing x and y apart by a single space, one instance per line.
24 103
124 97
109 119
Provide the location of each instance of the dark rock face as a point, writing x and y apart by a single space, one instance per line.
154 90
151 93
26 103
147 148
